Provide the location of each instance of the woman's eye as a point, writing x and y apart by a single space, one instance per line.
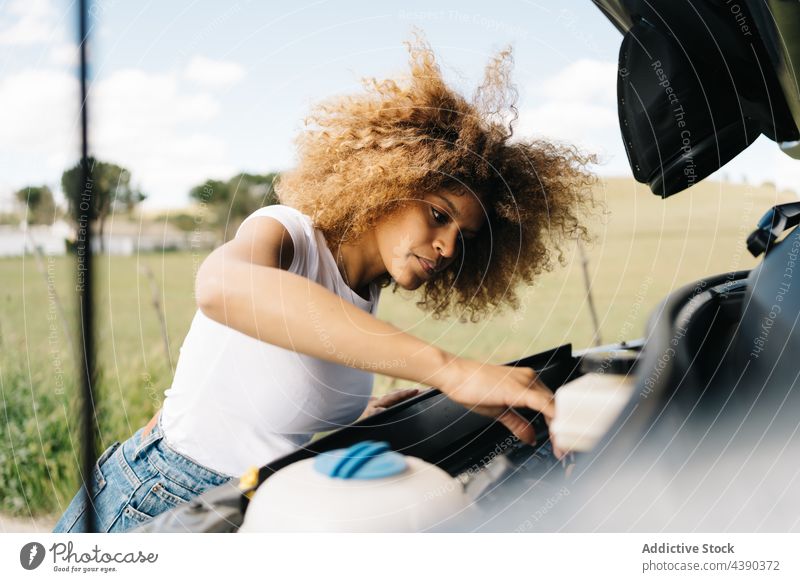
439 217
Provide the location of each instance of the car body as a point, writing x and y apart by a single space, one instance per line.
709 437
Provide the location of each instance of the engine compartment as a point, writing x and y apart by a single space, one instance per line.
693 407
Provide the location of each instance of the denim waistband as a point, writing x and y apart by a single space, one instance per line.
156 434
173 464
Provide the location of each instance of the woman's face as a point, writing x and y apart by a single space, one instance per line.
425 237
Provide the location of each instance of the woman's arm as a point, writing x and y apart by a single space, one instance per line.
244 284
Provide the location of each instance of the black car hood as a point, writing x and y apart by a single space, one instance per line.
699 81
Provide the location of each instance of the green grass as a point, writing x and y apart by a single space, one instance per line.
38 443
644 248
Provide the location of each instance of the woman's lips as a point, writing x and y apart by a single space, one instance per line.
426 265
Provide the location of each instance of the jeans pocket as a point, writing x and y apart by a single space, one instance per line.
157 496
182 471
74 517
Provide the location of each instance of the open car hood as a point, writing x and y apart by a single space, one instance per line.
700 80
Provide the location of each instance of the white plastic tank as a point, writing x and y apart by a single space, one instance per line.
364 488
588 406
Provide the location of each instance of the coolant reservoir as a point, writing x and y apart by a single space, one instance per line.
364 488
587 407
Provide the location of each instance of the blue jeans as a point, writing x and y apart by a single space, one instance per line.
135 481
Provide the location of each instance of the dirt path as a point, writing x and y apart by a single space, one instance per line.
26 524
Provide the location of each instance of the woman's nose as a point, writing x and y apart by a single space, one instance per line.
446 245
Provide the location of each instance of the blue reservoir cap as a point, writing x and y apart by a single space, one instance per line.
364 460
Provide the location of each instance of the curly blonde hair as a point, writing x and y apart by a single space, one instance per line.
363 156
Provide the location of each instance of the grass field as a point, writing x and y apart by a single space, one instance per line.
644 247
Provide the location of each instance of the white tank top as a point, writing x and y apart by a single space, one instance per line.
237 402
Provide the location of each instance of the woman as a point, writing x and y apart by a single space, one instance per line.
408 183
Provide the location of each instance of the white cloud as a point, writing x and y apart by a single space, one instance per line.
214 73
583 80
64 54
38 116
133 98
569 120
150 123
38 110
154 126
578 105
32 22
785 170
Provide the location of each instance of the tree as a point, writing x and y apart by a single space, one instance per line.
41 207
110 191
234 200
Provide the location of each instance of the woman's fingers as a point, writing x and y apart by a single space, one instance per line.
529 392
379 404
535 396
544 402
393 398
518 426
485 385
541 398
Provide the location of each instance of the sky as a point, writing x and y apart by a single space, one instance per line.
183 91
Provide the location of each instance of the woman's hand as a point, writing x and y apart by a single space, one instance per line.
380 403
493 390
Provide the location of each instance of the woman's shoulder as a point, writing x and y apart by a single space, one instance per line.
281 211
294 221
300 230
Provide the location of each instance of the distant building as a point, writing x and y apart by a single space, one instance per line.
121 237
21 240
